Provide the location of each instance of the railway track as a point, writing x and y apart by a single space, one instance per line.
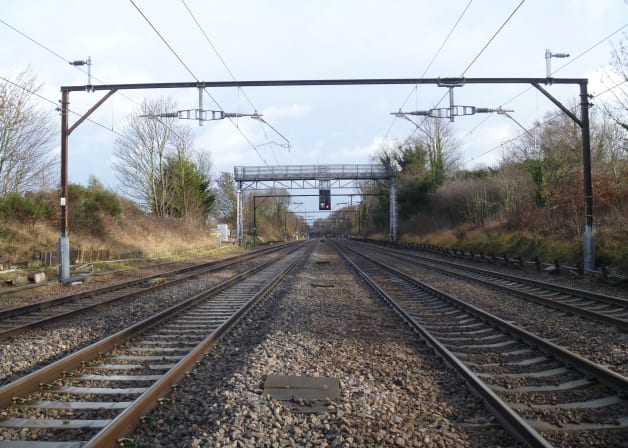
601 308
543 394
96 396
15 321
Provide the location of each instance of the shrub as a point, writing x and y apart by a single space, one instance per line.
15 207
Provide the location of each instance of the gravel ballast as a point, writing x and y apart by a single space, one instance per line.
321 323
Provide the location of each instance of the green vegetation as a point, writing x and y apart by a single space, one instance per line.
25 209
102 226
531 204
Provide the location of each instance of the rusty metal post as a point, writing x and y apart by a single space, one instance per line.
589 240
64 242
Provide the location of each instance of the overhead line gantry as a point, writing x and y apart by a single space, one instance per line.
582 122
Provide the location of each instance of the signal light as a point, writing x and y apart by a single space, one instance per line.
324 199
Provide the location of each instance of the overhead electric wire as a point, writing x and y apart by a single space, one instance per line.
215 50
532 128
492 38
196 79
572 60
202 30
34 41
471 63
54 103
610 89
581 54
451 31
54 53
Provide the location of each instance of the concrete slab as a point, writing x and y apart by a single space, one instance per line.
303 393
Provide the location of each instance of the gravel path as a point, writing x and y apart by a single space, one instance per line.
320 322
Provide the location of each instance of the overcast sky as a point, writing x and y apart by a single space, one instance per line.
298 39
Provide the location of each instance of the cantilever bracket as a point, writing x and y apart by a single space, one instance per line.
560 105
91 110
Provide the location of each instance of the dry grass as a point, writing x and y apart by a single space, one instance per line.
611 249
140 235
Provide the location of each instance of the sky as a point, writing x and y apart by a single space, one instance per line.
299 39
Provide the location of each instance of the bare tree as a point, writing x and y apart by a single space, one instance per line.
26 137
617 107
143 153
226 199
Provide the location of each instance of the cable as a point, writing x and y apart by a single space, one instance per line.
601 41
165 41
529 130
125 96
506 142
230 72
54 103
451 31
474 59
214 48
610 89
556 71
492 38
197 80
36 43
83 71
571 61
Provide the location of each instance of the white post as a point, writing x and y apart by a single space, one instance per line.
239 223
392 237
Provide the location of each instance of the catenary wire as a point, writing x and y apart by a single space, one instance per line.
56 104
471 64
196 79
492 38
518 136
451 31
54 53
202 30
572 60
527 89
581 54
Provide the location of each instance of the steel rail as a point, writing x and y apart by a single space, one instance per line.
611 300
12 312
621 324
49 373
129 419
512 421
134 286
586 367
